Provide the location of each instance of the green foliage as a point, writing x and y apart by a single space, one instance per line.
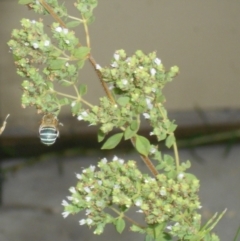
168 199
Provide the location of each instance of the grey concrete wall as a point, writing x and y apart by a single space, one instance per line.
201 37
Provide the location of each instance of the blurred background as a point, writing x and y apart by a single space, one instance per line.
201 37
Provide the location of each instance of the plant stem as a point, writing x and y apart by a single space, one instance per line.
99 74
146 160
86 32
78 19
53 14
175 149
126 217
66 95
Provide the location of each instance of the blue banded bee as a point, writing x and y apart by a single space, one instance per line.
48 129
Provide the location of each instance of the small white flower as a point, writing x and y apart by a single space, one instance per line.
121 161
70 198
169 227
78 176
73 103
82 221
104 160
139 211
65 203
116 56
72 190
116 186
67 64
163 192
146 115
58 29
138 202
114 65
153 90
115 158
98 66
199 207
151 133
88 211
149 103
46 43
128 59
33 21
80 118
89 221
35 45
26 44
124 81
84 113
146 181
157 61
92 168
153 71
67 41
180 176
87 189
153 150
65 214
140 67
37 2
65 30
99 182
88 199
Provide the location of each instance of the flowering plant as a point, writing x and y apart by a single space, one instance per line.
167 198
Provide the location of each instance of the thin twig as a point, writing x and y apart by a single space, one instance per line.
4 124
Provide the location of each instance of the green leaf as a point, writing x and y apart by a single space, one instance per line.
134 125
64 101
76 107
129 133
81 52
142 145
81 63
120 225
112 141
148 238
23 2
82 89
72 24
56 63
170 141
101 135
172 127
123 100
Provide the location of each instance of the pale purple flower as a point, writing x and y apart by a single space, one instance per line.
65 203
46 43
157 61
146 115
58 29
98 66
72 190
87 189
82 222
35 45
124 81
116 56
65 30
65 214
78 176
153 71
104 160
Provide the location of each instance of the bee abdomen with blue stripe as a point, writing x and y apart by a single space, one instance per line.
48 129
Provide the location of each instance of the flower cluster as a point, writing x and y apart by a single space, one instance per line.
120 185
